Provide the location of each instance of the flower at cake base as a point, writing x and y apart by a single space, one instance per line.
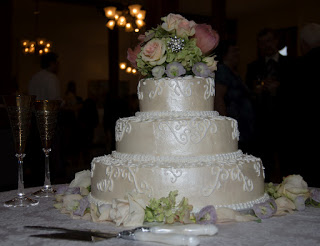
154 52
315 195
284 206
82 179
266 209
292 187
158 72
207 38
227 215
200 69
206 215
126 212
175 69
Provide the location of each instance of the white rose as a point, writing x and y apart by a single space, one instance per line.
119 211
292 187
158 71
171 22
71 202
226 215
82 179
154 52
211 63
284 206
137 206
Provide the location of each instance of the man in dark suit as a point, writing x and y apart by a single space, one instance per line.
305 94
267 77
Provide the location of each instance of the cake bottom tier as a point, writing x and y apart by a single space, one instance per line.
234 180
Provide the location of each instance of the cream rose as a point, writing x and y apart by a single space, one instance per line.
292 187
82 179
154 52
171 22
211 63
186 28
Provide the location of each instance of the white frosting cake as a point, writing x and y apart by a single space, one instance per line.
177 142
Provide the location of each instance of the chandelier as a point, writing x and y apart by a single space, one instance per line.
132 19
39 45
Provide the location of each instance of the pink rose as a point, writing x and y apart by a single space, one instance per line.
154 52
186 28
132 55
171 22
207 38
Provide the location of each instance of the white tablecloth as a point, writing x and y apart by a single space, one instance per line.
299 228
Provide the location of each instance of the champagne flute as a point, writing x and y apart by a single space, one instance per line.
19 111
47 115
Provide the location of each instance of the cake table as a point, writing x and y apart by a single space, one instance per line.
300 228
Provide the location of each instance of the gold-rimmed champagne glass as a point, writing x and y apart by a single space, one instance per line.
47 115
19 109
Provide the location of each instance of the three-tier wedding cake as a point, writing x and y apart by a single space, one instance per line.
177 141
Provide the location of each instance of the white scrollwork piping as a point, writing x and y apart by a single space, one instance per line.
125 173
185 91
188 131
122 126
210 90
176 173
158 90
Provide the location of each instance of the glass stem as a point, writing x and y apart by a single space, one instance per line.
47 182
20 175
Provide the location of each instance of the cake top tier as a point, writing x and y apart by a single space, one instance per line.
187 93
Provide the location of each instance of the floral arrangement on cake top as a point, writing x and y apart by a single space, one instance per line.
177 47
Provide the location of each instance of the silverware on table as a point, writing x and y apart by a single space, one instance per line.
167 234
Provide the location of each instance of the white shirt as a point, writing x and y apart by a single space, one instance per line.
45 85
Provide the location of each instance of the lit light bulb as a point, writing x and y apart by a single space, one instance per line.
134 9
111 24
24 43
46 50
140 23
122 21
41 42
26 50
129 69
136 30
48 45
110 12
40 52
133 70
122 65
129 27
141 15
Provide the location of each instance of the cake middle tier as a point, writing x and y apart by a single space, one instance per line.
181 134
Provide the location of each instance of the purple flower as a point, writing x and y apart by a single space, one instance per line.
83 205
73 190
266 209
299 202
201 69
175 69
315 195
62 189
207 215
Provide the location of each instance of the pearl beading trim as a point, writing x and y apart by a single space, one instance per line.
156 115
176 159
